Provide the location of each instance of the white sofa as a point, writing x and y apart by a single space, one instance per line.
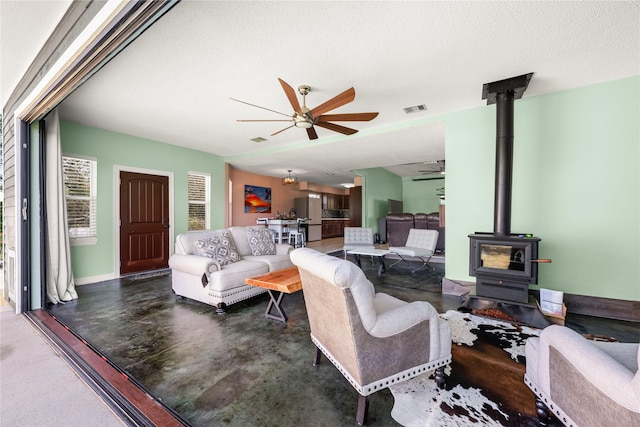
212 282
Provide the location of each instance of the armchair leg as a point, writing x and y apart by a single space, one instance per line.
363 407
398 261
424 264
542 411
316 357
440 377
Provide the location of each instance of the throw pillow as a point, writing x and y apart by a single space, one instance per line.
260 241
219 247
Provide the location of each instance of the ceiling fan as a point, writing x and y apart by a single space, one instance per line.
433 167
306 118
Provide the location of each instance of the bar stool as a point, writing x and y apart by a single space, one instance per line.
296 236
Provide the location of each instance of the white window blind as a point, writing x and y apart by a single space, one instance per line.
80 182
198 193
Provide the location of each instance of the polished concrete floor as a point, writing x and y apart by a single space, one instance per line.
240 369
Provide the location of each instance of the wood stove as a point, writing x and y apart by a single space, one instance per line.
504 263
504 266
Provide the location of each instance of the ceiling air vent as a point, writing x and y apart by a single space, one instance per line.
258 139
415 109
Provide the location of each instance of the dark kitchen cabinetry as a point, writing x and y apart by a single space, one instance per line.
343 201
333 228
335 201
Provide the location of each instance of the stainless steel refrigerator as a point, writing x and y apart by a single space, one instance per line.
311 208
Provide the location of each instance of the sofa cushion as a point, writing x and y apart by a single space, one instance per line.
233 275
218 246
260 241
275 262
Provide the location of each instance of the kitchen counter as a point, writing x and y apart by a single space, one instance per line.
335 219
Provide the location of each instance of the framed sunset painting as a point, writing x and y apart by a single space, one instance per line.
257 199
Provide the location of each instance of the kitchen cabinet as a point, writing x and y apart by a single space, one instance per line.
335 201
344 202
333 228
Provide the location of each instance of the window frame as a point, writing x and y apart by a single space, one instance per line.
90 236
206 202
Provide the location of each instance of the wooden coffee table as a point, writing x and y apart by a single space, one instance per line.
286 281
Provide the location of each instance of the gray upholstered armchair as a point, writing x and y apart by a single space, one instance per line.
583 382
374 339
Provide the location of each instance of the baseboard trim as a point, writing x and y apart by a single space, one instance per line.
603 307
94 279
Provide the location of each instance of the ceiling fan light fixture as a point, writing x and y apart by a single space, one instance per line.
289 180
302 122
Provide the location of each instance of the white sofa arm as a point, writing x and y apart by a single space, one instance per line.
193 264
283 249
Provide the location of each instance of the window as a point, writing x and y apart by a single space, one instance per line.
198 191
80 190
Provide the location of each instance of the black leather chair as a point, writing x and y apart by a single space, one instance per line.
398 226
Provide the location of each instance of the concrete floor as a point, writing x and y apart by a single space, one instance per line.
238 369
45 391
241 369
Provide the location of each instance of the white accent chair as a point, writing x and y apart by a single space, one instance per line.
357 238
420 244
374 339
583 382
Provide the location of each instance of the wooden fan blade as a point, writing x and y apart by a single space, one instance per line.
312 133
348 117
291 96
337 101
257 106
337 128
282 130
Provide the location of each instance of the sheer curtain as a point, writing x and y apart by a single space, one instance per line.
60 283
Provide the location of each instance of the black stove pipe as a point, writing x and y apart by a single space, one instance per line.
504 164
503 93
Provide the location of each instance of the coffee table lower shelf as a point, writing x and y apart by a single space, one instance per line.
374 253
277 283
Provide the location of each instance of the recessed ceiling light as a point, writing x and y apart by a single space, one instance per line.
415 109
258 139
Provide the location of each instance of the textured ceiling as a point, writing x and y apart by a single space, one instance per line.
174 82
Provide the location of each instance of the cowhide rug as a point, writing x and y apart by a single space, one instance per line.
484 383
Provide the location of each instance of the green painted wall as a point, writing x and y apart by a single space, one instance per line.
111 148
421 196
379 185
576 185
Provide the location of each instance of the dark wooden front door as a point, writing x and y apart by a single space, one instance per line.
144 222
